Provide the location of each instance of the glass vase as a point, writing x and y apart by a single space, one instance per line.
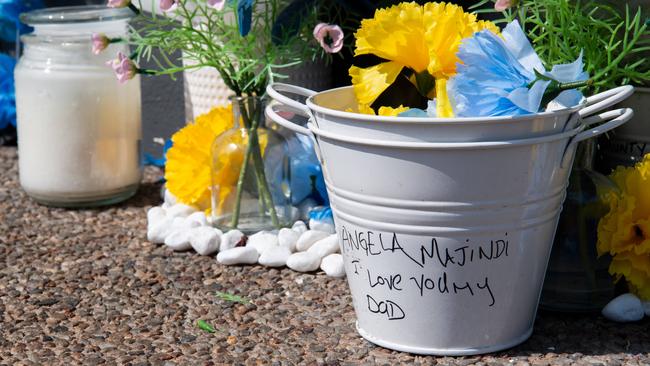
577 280
251 174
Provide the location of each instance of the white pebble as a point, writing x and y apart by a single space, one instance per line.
180 210
158 232
230 239
333 266
303 262
262 241
205 239
325 247
179 240
197 219
623 309
299 227
308 238
155 214
239 255
288 238
178 222
169 198
646 308
275 257
322 225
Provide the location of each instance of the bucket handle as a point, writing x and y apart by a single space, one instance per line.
612 119
274 90
604 100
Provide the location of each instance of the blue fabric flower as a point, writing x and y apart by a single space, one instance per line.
9 17
7 92
500 77
244 16
322 214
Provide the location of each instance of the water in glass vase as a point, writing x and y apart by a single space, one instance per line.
250 173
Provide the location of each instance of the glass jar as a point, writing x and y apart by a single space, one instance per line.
577 279
251 173
79 130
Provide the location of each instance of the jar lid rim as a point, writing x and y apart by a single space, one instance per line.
75 14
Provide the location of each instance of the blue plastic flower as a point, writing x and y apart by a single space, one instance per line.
505 77
7 93
10 24
244 16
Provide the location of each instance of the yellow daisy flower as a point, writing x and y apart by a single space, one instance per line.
625 231
422 38
187 170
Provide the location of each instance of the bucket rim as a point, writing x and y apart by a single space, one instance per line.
314 107
477 145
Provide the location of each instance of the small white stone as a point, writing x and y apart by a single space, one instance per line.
230 239
155 214
180 210
288 238
623 309
646 308
169 198
205 239
239 255
308 238
322 225
299 227
275 256
262 241
197 219
333 266
303 262
179 240
325 247
178 223
158 232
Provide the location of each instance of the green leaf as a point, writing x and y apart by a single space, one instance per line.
203 325
232 298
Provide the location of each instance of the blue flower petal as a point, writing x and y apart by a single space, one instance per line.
517 43
413 112
567 73
244 16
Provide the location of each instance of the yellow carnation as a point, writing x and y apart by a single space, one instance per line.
187 170
423 38
625 231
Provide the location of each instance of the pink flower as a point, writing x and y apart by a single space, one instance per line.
124 68
503 5
118 3
329 36
100 42
217 4
168 5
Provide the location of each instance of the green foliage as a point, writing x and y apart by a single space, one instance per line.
211 38
614 43
232 298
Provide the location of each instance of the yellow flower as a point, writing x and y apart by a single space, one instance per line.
187 170
422 38
383 111
625 231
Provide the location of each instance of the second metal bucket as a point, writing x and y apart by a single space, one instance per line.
446 244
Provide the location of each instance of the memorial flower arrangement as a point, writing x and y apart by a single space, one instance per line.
624 232
250 43
437 60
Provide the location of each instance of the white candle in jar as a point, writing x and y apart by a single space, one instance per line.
79 130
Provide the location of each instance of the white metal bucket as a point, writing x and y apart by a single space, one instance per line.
446 244
327 110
